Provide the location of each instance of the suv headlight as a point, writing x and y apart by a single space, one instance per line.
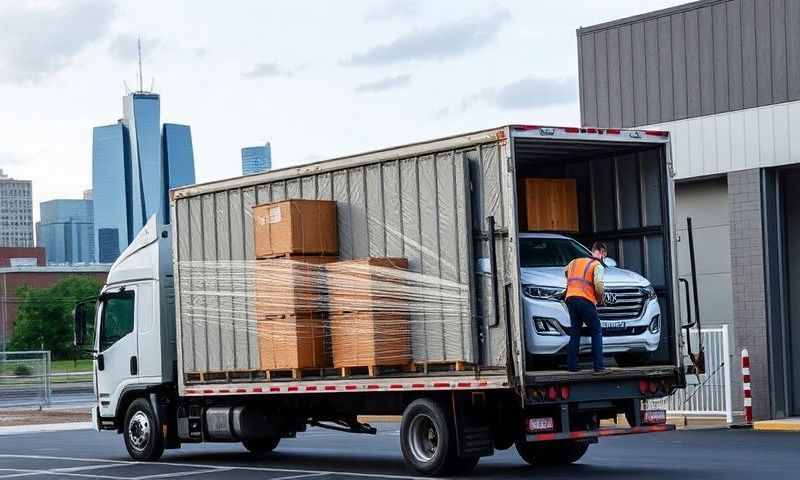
543 293
649 292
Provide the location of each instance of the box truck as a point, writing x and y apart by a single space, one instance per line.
184 352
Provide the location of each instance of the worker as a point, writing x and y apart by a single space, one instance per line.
584 292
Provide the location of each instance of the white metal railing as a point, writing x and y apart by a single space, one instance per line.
25 379
710 394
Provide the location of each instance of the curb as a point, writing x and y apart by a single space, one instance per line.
786 425
46 427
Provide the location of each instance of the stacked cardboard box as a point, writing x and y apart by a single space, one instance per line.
294 239
549 204
369 307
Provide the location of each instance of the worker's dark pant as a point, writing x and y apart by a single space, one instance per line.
583 312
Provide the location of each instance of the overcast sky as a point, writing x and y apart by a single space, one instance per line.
316 79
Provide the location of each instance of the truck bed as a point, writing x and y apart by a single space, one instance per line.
611 373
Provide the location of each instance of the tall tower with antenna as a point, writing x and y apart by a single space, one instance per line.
139 47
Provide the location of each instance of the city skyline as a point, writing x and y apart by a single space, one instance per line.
317 99
66 231
16 212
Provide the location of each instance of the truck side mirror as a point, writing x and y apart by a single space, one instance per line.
80 324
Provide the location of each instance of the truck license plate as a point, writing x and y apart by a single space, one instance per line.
613 325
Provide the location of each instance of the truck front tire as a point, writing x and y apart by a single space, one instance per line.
559 452
142 432
427 438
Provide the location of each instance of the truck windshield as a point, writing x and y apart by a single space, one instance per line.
549 252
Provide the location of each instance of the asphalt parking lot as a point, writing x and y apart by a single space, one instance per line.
701 454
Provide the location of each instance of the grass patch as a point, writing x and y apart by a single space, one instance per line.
66 366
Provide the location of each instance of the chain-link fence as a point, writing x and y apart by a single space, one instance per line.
25 379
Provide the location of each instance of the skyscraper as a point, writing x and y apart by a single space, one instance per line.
66 231
131 175
16 212
256 159
177 157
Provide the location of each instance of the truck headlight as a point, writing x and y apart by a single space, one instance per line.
543 293
649 292
655 324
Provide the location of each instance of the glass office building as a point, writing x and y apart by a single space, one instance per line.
134 164
66 231
143 119
256 159
177 159
111 189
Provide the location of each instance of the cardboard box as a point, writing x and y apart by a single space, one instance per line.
291 286
548 204
369 339
292 341
295 227
369 285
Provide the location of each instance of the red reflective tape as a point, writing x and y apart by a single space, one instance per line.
274 389
746 378
311 388
190 391
590 130
526 127
613 131
330 387
657 133
441 384
483 383
292 389
581 434
572 129
373 387
545 436
351 387
417 385
258 389
224 390
395 386
464 384
746 362
241 390
748 394
208 390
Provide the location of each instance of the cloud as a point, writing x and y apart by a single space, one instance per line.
7 159
124 47
391 10
42 39
388 83
265 70
438 43
525 93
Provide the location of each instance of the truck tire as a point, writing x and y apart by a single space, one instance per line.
560 452
143 432
261 446
427 439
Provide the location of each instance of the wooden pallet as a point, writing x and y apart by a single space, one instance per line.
443 366
375 370
299 373
227 376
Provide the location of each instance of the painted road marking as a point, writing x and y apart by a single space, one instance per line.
299 473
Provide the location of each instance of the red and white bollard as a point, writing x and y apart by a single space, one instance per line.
748 399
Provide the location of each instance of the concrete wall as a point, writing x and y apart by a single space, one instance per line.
747 260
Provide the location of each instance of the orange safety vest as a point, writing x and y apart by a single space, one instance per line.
580 279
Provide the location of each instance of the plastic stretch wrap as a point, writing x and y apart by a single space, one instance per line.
320 312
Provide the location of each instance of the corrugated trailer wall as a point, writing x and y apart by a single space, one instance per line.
419 208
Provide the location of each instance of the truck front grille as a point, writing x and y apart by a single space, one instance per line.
625 303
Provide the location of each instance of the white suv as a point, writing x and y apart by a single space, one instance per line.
630 315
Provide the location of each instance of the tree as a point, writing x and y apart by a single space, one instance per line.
44 316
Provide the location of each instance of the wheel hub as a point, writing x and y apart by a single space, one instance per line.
423 438
139 431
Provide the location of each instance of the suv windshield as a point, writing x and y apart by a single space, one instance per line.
549 252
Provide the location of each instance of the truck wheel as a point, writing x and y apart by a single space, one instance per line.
142 432
427 440
561 452
261 446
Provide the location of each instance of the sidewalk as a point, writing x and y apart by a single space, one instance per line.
783 425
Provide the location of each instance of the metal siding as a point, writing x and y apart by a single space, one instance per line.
666 88
678 38
639 74
763 53
589 82
733 29
652 71
720 53
705 28
694 107
750 79
793 48
376 223
626 76
614 83
779 61
602 88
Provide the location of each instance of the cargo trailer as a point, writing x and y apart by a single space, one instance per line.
182 338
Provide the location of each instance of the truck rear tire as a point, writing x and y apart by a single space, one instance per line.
428 441
560 452
261 446
143 432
